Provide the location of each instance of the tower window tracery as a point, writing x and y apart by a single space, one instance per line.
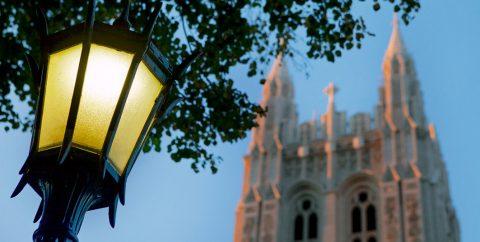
356 220
306 221
312 226
371 218
363 217
299 228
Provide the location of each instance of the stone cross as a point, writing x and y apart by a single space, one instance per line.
330 91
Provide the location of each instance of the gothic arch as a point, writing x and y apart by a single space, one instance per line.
303 218
358 209
300 187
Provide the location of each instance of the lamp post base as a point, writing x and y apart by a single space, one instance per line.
54 235
65 200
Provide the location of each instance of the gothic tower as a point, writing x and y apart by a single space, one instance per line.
257 213
370 179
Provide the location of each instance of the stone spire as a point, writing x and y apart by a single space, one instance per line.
278 95
402 95
396 45
278 82
401 103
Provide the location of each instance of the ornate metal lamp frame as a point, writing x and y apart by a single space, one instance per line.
69 179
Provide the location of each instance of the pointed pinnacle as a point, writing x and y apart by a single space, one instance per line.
112 211
41 22
39 213
90 19
20 186
121 193
32 64
122 20
152 20
182 67
169 109
24 167
34 70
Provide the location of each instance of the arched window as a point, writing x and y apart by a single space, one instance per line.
371 218
298 227
312 226
356 220
306 220
363 216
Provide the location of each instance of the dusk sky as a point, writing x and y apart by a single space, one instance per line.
166 201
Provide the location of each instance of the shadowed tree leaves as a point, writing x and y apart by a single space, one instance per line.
212 109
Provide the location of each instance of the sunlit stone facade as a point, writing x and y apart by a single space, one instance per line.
370 178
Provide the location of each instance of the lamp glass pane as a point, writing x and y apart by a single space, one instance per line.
104 78
60 82
141 99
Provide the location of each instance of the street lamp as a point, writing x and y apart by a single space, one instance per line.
102 88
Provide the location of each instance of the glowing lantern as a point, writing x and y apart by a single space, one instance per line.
102 89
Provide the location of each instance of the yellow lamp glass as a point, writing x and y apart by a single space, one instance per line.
141 99
60 82
104 79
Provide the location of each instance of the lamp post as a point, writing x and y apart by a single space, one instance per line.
102 88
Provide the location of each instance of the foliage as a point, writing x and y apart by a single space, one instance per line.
212 109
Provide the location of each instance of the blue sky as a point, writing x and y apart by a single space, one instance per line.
168 202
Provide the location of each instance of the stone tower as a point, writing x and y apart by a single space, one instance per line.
370 179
